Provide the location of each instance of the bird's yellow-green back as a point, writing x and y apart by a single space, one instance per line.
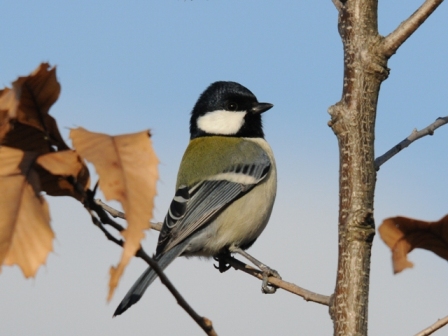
221 152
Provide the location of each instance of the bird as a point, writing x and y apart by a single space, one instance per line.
226 186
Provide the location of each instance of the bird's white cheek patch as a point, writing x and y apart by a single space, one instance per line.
222 122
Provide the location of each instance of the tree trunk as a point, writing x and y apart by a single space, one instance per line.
353 122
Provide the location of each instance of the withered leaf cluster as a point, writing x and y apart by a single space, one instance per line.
35 159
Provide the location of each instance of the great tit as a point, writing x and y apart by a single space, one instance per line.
226 185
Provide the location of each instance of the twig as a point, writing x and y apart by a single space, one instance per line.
415 135
118 214
203 322
108 235
99 209
238 265
113 212
104 218
395 39
337 4
290 287
436 326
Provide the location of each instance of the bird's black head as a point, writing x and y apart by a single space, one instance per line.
228 109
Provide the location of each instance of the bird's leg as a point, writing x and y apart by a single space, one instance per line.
267 271
222 265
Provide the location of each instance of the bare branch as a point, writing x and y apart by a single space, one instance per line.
118 214
415 135
395 39
337 4
203 322
436 326
113 212
98 207
238 265
287 286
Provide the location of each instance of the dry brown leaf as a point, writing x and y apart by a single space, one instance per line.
127 166
403 234
24 119
27 138
57 167
8 108
37 93
25 234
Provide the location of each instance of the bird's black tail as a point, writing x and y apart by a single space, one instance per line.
146 279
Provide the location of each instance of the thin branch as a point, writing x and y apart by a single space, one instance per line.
108 235
118 214
395 39
338 4
436 326
287 286
415 135
113 212
238 265
104 218
203 322
95 206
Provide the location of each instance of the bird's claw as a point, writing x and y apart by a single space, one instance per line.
222 265
266 288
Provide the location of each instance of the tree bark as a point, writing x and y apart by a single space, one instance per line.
353 122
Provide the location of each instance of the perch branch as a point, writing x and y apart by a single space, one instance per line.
287 286
99 209
395 39
436 326
415 135
238 265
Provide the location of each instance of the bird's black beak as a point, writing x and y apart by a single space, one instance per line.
261 107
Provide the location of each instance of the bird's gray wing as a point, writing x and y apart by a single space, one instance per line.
192 208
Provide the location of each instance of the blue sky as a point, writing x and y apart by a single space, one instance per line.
129 66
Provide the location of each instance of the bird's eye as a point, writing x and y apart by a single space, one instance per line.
232 106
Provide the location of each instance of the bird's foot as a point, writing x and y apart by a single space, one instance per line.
267 288
266 270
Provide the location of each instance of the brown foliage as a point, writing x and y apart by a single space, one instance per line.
26 131
127 167
57 167
24 119
402 235
25 234
35 158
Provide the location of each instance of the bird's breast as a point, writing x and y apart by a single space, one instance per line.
244 219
